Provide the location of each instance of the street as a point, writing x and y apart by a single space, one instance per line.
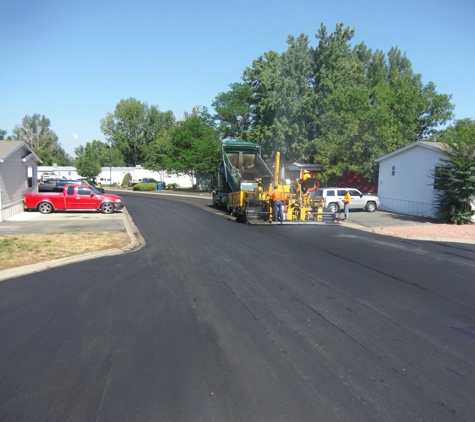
219 321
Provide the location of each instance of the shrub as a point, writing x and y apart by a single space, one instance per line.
455 177
127 178
142 187
172 185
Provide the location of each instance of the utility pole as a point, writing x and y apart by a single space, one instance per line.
110 164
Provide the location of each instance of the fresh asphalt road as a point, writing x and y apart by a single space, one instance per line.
218 321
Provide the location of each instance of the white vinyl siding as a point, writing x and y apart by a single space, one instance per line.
410 189
14 183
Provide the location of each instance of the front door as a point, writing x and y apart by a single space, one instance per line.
78 198
357 201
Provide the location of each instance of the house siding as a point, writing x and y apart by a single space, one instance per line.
410 190
14 184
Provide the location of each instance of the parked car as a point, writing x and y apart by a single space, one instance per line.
73 197
57 185
332 198
146 180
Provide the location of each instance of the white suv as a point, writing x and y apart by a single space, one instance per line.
332 198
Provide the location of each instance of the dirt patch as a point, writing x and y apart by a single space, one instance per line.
435 231
25 249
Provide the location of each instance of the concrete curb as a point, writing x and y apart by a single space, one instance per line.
136 242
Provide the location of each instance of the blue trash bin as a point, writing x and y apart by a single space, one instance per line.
159 186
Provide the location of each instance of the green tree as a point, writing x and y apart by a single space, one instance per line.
108 155
88 160
456 174
3 134
193 147
368 105
158 152
342 103
294 117
337 105
133 126
234 111
36 131
263 77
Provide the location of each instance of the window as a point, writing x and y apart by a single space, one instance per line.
84 191
330 193
393 171
30 176
70 190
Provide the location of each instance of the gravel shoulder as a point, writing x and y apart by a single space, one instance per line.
435 231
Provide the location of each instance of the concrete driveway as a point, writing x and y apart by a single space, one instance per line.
71 221
385 219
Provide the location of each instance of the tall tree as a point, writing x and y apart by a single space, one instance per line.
369 105
108 155
263 77
88 160
294 123
194 148
158 151
456 174
133 126
341 104
3 134
234 111
36 131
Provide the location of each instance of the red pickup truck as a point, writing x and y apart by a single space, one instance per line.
73 197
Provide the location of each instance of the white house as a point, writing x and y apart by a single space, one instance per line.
406 181
18 175
57 172
116 174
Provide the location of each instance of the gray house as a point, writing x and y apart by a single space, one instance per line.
406 182
18 175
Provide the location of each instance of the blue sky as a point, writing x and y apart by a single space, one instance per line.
73 61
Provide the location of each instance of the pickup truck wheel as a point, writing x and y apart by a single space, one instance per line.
45 208
333 207
107 208
371 207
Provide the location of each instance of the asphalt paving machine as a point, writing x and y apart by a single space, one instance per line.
249 182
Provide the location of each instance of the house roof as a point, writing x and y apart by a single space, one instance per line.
434 146
8 148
